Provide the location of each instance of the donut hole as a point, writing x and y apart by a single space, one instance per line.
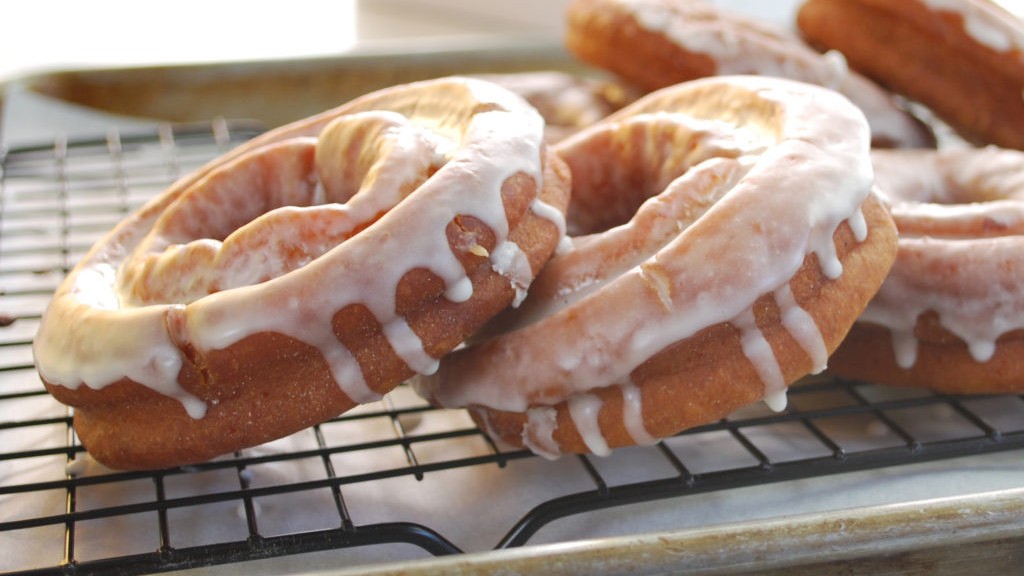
268 213
620 166
376 157
240 191
948 178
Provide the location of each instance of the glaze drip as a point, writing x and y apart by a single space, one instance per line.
584 410
632 415
802 327
759 352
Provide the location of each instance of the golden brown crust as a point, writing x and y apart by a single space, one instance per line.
597 30
944 363
707 376
929 57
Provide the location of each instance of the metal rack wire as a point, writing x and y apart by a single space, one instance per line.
319 490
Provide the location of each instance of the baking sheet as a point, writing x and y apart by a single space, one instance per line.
889 511
949 536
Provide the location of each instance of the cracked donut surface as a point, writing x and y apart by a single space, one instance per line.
724 238
311 269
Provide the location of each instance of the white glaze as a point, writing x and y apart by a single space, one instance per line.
802 327
93 332
487 427
838 69
633 416
858 225
700 28
538 433
555 216
983 22
509 260
584 410
140 348
777 401
759 352
977 312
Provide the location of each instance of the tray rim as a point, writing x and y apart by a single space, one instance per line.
798 545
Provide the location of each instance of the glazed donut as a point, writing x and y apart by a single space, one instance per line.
950 316
962 59
310 270
568 102
657 43
723 240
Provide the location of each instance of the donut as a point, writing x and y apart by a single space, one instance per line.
308 271
657 43
568 102
962 59
950 316
723 238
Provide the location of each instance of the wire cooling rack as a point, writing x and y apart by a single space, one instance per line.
372 476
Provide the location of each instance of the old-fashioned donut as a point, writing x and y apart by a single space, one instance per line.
950 316
657 43
724 238
309 270
963 59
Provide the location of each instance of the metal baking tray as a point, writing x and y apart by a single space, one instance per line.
278 91
403 487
